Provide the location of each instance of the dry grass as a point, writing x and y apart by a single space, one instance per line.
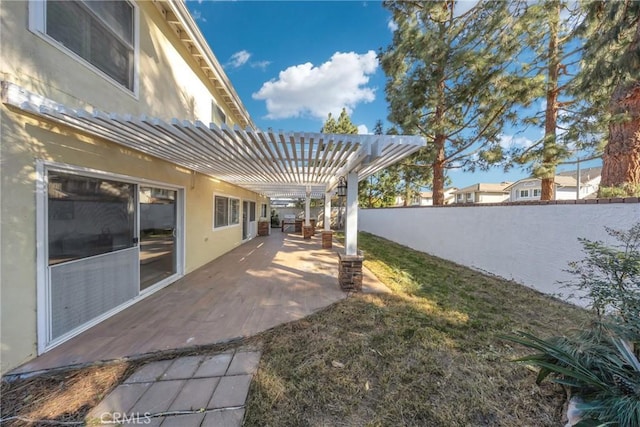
61 397
429 354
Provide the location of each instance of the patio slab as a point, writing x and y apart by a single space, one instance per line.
184 400
262 283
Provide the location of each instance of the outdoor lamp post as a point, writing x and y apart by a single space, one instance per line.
342 187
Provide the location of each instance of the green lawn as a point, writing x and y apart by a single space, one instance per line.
426 355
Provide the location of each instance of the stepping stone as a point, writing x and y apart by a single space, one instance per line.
182 368
195 394
120 400
214 366
245 362
158 397
190 420
149 372
224 418
231 391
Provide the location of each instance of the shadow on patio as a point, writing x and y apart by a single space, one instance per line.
260 284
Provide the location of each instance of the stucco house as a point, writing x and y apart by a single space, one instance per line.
129 161
565 186
483 193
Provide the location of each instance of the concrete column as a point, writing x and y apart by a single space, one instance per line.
351 223
327 211
307 210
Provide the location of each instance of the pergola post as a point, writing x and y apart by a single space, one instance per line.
350 268
327 234
307 229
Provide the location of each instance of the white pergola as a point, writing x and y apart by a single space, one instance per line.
273 164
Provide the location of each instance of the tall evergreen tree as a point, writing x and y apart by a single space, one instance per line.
381 188
547 29
449 79
610 79
343 125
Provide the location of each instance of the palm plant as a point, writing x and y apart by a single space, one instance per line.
596 365
599 364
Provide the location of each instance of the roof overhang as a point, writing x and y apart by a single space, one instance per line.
180 21
282 164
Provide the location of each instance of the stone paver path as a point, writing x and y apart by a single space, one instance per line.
208 390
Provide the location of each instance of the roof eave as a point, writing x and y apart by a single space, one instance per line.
179 18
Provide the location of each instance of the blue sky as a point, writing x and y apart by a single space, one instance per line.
293 62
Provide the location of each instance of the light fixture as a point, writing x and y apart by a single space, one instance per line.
342 187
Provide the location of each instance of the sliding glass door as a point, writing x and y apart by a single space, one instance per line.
158 216
109 240
92 252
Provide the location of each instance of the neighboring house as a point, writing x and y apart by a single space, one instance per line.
565 188
426 198
86 200
483 193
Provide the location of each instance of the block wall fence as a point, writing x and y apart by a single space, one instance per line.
530 243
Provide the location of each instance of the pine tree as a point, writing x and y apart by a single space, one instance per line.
553 54
610 79
449 79
343 125
381 188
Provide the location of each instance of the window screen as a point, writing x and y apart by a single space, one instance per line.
221 206
88 216
101 32
252 211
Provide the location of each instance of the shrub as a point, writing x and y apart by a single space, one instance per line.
598 363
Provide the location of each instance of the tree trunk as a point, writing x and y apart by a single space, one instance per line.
549 150
438 171
621 158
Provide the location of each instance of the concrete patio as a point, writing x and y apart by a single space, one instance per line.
260 284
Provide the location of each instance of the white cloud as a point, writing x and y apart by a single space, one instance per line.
392 25
317 91
238 59
197 16
363 130
260 64
508 141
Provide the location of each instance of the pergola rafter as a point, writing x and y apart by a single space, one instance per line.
274 164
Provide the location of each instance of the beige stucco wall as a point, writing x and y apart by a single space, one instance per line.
170 83
26 139
170 86
491 197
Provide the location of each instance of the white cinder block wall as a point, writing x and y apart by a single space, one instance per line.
530 244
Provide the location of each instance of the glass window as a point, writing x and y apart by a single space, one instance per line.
469 197
524 193
263 210
101 32
252 211
88 216
235 211
537 192
221 215
226 211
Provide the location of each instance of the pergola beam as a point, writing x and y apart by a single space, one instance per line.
271 164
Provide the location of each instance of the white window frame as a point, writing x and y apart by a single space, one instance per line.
38 26
43 309
229 216
537 190
523 196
